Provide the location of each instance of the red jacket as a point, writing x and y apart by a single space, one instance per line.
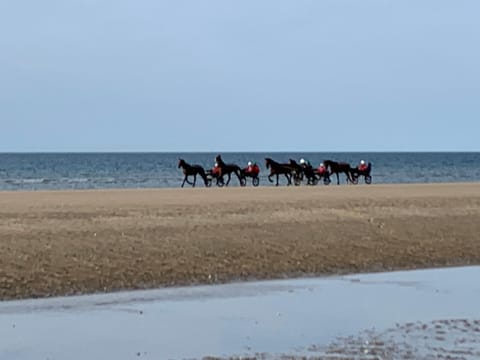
252 169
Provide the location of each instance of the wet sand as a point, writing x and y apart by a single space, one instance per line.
75 242
421 314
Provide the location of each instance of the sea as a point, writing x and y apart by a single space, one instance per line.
66 171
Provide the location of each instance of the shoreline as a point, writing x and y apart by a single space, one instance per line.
234 185
73 242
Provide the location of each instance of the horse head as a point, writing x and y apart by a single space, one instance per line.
328 164
181 163
268 161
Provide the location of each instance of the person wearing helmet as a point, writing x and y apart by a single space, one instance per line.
305 163
252 168
363 166
216 170
322 169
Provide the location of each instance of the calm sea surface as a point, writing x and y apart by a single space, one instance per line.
157 170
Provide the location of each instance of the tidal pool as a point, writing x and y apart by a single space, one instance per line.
421 312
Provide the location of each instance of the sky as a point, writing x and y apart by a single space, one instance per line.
270 75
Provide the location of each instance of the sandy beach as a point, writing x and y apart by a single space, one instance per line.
75 242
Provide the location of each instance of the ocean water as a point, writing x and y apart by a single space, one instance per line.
51 171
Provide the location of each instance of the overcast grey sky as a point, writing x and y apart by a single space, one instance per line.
319 75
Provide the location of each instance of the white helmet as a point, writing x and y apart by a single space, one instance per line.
321 164
362 162
302 161
249 163
216 164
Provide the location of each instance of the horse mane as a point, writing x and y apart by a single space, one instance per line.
181 162
269 162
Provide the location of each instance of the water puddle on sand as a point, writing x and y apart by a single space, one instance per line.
425 314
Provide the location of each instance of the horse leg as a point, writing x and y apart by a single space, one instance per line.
349 179
229 178
338 178
184 179
194 180
238 177
270 178
188 181
289 179
204 177
277 180
241 179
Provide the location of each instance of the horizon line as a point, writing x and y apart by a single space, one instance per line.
230 151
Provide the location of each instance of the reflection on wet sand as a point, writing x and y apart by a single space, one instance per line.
401 315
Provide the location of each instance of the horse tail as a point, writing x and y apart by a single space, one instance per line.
352 172
241 175
328 166
202 173
238 172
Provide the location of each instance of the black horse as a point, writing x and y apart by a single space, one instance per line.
192 170
356 173
339 167
279 169
301 171
296 172
228 169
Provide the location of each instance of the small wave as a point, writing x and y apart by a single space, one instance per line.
75 180
28 181
108 180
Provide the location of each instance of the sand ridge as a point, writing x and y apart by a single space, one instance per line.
71 242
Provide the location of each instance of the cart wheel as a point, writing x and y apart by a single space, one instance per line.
208 182
220 182
314 181
355 180
368 179
243 182
326 180
255 181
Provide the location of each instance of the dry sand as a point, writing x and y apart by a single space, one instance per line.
71 242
